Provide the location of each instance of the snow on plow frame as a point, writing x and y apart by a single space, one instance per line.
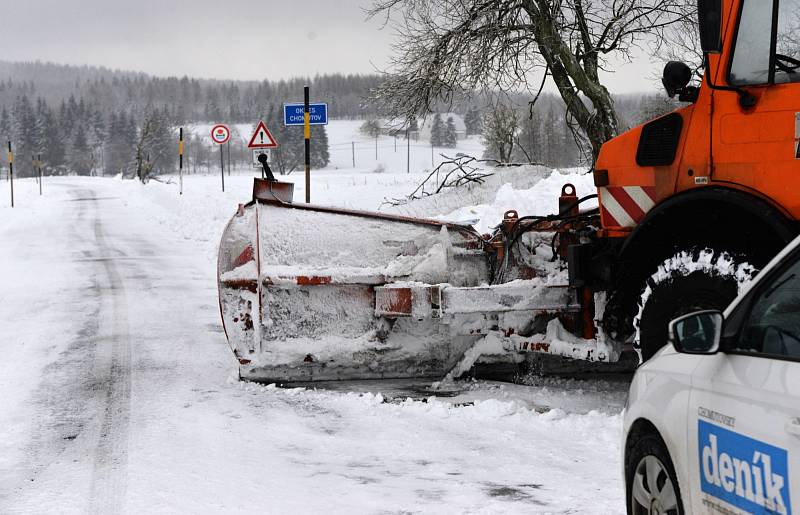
317 293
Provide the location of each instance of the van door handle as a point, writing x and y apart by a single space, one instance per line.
793 426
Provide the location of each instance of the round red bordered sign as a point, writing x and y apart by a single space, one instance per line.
220 134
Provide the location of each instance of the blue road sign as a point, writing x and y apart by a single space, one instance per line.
317 114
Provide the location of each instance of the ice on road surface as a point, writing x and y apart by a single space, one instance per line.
118 392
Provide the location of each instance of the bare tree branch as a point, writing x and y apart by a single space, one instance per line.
449 48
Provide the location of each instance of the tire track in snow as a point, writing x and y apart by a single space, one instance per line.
65 391
109 473
83 399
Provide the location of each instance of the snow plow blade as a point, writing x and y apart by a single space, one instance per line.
313 293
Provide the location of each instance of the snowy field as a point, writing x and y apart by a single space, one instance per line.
120 395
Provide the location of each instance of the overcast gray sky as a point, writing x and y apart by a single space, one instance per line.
225 39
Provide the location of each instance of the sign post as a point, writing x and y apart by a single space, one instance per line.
307 114
222 167
307 134
11 171
220 134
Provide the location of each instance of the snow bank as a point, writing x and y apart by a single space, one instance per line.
530 190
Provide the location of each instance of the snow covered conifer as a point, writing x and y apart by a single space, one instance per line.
23 135
437 131
320 154
473 121
450 139
80 161
51 143
5 125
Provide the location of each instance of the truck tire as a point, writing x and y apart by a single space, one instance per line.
689 281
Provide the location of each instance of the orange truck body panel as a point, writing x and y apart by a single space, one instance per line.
721 144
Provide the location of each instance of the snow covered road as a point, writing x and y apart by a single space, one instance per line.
118 392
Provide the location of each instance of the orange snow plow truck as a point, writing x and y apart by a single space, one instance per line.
688 207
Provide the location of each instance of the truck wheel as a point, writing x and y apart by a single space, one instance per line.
650 480
689 281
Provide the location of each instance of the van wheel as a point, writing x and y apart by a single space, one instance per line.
650 481
689 281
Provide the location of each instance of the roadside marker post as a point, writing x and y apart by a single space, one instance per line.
220 134
11 171
180 160
39 165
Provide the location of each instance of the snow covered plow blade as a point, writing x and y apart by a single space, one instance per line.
313 293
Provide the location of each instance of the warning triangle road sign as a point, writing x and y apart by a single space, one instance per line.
262 138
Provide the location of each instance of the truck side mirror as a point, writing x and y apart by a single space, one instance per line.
709 14
697 333
676 77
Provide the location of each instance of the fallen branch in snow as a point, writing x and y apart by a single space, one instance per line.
451 173
159 179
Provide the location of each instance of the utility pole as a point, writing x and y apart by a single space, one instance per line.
408 152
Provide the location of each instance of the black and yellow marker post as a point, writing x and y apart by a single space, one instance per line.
39 169
307 133
11 171
180 160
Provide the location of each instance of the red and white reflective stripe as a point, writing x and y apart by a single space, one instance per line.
625 206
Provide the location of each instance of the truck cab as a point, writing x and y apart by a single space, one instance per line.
714 175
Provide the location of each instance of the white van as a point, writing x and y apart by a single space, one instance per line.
712 423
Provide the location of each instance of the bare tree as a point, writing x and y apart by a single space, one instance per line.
499 128
681 42
455 47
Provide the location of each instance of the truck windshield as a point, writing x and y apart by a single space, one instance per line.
753 50
787 44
